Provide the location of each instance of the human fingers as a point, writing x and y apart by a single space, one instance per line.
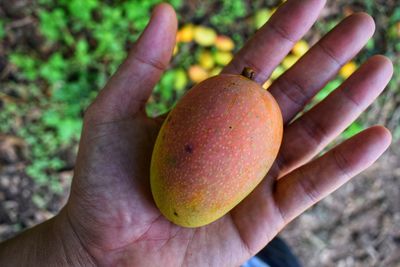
300 83
308 184
265 50
311 132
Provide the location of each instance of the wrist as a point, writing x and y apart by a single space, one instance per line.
52 243
72 250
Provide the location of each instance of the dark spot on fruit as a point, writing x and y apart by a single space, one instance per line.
175 213
189 148
230 127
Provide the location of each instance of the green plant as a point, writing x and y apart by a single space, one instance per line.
87 41
2 30
229 13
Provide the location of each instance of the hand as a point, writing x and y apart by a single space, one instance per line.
111 211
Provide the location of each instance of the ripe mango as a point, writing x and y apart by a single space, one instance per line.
289 61
197 73
261 17
206 60
180 80
300 48
204 36
185 34
223 58
214 148
278 71
224 43
348 69
215 71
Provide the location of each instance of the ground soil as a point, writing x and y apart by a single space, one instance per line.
358 225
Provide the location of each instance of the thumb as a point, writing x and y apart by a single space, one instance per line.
127 91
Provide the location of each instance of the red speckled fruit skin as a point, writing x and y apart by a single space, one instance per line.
213 149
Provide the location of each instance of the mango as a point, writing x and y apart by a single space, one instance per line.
176 49
197 73
300 48
185 34
224 43
261 17
348 69
278 71
289 61
223 58
206 60
215 71
204 36
180 80
216 145
267 84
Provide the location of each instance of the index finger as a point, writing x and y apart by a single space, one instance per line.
266 49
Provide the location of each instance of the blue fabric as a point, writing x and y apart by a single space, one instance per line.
278 254
255 262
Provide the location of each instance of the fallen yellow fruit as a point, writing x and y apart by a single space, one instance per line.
267 84
176 49
180 80
300 48
289 61
224 43
206 60
185 34
204 36
223 58
215 71
348 69
197 73
277 72
261 17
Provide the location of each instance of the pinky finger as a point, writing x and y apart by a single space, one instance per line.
308 184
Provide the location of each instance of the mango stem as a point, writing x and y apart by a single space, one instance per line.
248 73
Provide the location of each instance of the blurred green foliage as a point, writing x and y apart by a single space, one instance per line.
2 30
85 42
228 14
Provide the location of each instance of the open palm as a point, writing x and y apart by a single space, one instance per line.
111 209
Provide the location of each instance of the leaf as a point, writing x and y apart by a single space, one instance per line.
395 17
176 3
166 84
39 201
52 24
2 30
352 130
82 9
54 70
82 53
56 187
28 65
68 129
51 118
